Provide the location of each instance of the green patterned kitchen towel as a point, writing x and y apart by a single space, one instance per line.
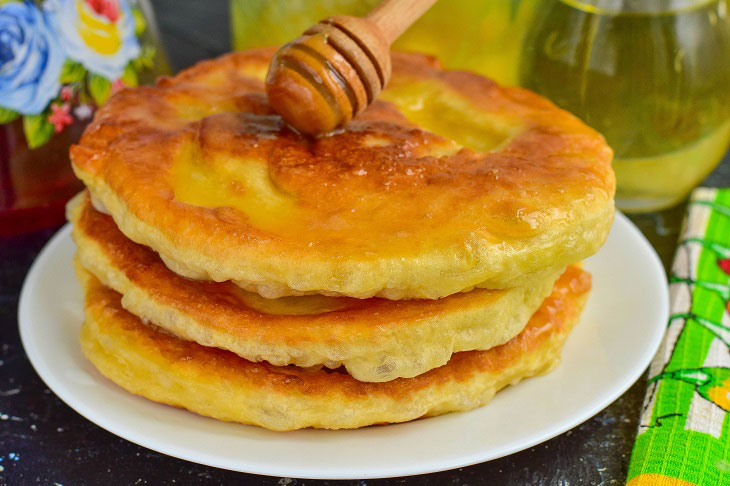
684 430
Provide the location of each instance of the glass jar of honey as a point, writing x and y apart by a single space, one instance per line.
652 75
484 36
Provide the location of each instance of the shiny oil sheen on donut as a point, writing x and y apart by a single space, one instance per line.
216 383
374 339
447 182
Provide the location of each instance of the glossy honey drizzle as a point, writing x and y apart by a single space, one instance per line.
450 116
246 185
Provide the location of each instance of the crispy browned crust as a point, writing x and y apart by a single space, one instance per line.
380 208
220 384
375 339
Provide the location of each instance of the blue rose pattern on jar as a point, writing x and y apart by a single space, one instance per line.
60 59
30 59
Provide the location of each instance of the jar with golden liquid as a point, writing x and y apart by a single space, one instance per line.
484 36
652 75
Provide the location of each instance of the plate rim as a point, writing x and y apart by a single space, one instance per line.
389 471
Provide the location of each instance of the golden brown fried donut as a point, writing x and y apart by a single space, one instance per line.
222 385
374 339
448 182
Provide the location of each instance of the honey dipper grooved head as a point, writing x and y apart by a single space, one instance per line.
321 80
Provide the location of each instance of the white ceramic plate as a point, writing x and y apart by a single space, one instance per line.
618 334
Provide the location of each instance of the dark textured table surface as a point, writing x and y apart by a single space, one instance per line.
43 441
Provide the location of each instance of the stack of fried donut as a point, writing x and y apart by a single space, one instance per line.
412 264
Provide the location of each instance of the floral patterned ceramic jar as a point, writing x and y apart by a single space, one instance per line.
59 61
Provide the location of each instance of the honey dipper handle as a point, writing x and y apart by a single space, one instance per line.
393 17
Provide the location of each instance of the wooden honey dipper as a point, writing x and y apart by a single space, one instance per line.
318 82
